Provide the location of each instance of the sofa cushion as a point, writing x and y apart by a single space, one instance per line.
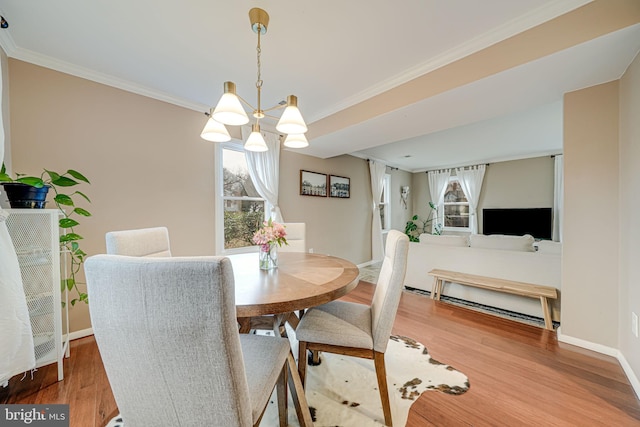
549 247
503 242
448 240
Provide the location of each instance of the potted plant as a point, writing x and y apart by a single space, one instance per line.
416 226
21 192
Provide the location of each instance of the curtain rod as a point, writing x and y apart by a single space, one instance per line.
393 168
457 167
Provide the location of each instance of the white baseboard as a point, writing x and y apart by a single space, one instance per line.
599 348
75 335
365 264
633 379
609 351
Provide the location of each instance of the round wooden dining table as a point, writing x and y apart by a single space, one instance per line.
300 281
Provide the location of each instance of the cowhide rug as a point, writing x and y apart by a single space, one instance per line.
343 390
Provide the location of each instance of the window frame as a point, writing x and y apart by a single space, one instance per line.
452 228
220 200
386 203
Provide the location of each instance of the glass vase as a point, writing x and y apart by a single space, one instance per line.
268 256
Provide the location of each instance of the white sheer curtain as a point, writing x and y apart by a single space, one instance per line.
558 204
471 182
264 170
377 171
438 182
16 340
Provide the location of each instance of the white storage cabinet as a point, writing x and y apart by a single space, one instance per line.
35 236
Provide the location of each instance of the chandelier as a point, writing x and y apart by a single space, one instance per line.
230 111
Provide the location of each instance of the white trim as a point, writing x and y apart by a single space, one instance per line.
488 161
598 348
220 199
75 335
98 77
386 193
609 351
467 229
366 264
509 29
633 379
7 43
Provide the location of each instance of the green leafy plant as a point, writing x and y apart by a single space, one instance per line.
70 213
417 226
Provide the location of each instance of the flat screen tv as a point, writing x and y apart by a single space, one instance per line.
515 222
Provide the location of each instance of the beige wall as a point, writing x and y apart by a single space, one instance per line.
526 183
400 215
590 303
339 227
148 166
629 207
420 195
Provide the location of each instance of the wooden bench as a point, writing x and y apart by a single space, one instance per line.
500 285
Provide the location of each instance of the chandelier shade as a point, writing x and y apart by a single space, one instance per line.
215 131
255 142
231 109
296 140
291 120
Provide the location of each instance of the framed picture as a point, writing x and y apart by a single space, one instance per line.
339 186
313 184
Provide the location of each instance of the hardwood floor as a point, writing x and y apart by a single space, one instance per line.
519 374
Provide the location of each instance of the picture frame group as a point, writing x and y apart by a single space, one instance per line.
318 184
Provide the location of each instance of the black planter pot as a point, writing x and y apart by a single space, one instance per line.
23 196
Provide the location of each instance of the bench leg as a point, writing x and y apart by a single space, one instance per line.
548 323
439 289
434 288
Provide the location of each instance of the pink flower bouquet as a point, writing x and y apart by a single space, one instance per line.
269 237
270 233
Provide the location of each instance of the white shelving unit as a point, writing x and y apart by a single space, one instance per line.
35 236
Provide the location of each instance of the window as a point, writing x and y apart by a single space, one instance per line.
243 210
456 207
385 214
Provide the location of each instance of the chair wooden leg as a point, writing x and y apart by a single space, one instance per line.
297 394
282 397
381 373
302 361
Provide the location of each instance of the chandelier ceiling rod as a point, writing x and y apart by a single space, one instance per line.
229 110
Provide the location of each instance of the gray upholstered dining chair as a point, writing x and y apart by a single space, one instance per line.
172 351
356 329
146 242
296 237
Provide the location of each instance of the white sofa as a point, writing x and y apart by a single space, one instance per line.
504 257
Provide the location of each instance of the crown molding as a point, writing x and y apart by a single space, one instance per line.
502 32
98 77
7 43
509 29
490 160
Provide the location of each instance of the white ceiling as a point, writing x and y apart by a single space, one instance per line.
331 54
